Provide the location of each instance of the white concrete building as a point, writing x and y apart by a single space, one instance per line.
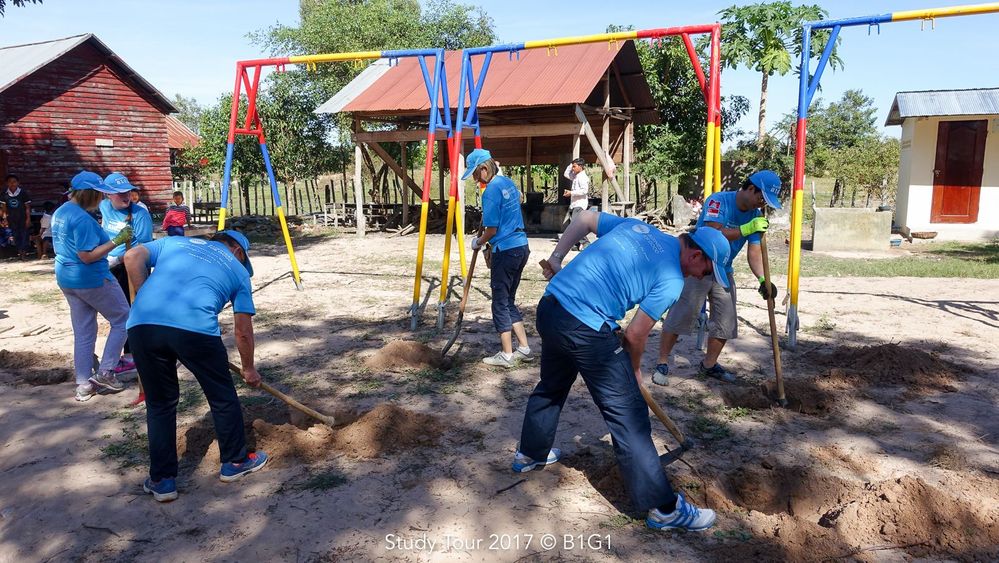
948 180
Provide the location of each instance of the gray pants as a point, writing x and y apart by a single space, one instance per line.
84 304
722 324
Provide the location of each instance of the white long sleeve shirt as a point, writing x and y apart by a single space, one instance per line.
580 190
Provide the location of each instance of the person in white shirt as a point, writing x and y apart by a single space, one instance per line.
578 193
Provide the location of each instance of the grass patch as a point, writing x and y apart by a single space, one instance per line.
732 414
323 481
932 260
824 324
129 451
433 380
707 428
191 396
738 534
619 521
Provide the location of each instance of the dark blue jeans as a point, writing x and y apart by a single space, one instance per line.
156 350
504 279
175 231
569 347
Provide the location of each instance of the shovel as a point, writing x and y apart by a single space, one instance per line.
774 342
464 300
325 419
685 444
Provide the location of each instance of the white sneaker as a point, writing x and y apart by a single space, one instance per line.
686 516
500 360
523 464
85 391
519 354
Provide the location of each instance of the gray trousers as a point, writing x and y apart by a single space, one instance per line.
84 304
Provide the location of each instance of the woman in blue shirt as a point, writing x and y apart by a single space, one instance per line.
504 229
81 269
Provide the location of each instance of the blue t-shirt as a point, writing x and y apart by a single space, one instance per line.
73 230
192 280
630 263
501 209
721 208
114 220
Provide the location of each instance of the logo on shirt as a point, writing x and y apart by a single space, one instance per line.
506 194
197 241
714 208
641 229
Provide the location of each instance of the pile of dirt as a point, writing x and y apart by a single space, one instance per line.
386 429
403 355
925 520
811 396
773 489
36 369
892 364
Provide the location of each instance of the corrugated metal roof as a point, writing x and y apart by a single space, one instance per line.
356 86
17 62
179 136
535 79
980 101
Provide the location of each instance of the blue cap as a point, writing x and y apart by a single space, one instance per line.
769 184
243 243
119 182
87 180
473 160
717 247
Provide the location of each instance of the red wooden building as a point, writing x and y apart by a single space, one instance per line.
73 104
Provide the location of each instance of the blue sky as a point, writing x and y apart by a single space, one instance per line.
190 47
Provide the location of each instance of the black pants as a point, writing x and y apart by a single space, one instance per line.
568 348
504 279
121 275
156 350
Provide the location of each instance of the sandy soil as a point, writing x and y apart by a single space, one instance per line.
888 452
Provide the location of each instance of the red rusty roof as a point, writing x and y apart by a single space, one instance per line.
179 136
566 76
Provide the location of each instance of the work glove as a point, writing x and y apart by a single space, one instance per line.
123 236
764 293
756 225
475 243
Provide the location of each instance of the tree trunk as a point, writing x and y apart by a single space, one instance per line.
762 123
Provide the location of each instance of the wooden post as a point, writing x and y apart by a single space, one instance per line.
605 144
358 189
405 191
576 142
629 134
602 157
530 177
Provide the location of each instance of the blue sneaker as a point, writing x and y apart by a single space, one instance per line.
232 471
659 375
164 490
717 372
685 516
523 464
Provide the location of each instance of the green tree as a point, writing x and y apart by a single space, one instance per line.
247 163
675 146
764 36
870 166
188 111
18 3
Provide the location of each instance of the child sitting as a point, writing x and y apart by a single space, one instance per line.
177 216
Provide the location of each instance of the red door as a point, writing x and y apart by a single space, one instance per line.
957 175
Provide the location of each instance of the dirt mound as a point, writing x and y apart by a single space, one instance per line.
924 519
892 364
383 430
809 396
404 354
37 369
797 491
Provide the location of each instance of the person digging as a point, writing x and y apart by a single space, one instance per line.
631 263
737 215
175 317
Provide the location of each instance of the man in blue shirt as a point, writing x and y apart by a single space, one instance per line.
175 317
503 228
631 263
737 215
117 212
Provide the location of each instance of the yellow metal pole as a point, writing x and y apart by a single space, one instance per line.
334 57
424 210
445 282
718 174
291 249
708 158
221 225
576 40
459 223
966 10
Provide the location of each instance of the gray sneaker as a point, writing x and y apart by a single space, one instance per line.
85 391
500 360
522 356
107 381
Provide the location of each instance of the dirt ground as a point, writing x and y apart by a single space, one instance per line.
889 450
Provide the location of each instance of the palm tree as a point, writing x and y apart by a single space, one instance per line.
763 37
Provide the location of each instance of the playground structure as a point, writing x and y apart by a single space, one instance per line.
806 91
470 87
248 75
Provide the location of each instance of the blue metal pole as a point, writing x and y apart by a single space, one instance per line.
826 53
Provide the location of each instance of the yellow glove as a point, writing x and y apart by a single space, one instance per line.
757 225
